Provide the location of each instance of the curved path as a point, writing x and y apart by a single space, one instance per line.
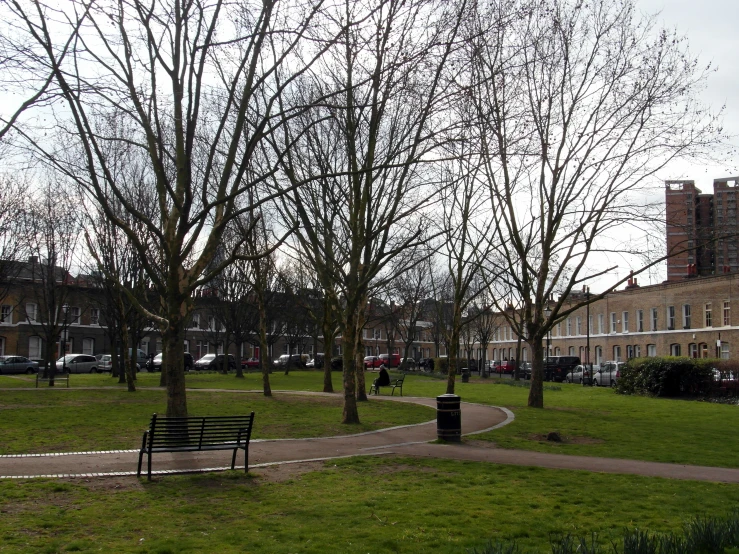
410 440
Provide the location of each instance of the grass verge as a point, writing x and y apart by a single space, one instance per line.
79 420
353 505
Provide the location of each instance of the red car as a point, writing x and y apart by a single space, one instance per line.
372 361
249 362
390 360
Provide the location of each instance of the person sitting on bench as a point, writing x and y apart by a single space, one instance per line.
382 381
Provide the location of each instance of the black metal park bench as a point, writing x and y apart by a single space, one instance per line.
393 384
196 434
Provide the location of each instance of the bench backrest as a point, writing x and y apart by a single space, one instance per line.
400 379
181 432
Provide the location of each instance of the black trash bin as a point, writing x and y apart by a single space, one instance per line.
448 418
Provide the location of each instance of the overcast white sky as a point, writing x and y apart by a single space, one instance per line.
711 28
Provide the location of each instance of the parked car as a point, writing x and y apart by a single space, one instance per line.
578 374
426 364
105 362
524 370
372 362
337 363
295 360
155 363
409 364
215 362
556 368
726 381
608 374
17 364
78 363
317 361
249 363
390 360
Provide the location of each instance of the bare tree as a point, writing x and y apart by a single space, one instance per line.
189 90
362 164
466 227
409 288
576 105
53 231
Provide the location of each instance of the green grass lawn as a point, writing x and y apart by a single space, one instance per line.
592 421
79 420
362 505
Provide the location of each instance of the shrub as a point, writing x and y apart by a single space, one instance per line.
667 376
707 535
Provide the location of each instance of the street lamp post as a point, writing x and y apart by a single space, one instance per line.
586 290
547 314
63 338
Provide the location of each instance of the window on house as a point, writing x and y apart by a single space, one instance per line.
617 353
629 351
654 319
651 350
32 312
557 351
2 346
601 325
578 325
88 346
613 322
625 322
693 350
640 321
559 329
195 321
212 324
74 315
590 324
598 354
6 314
674 349
637 351
569 326
707 315
572 351
686 316
725 350
94 316
34 348
670 317
727 314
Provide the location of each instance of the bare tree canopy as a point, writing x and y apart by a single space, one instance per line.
379 98
575 106
179 95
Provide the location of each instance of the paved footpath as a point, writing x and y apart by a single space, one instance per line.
410 440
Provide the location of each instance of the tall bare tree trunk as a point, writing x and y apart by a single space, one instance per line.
264 359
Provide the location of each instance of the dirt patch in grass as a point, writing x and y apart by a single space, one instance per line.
567 440
481 444
284 472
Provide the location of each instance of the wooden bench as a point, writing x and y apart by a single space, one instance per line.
58 377
393 384
196 434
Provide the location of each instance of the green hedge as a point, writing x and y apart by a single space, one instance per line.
668 376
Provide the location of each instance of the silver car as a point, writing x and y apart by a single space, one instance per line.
608 374
17 364
78 363
578 374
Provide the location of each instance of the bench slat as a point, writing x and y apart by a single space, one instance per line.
192 434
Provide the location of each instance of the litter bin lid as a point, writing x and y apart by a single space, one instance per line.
447 397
